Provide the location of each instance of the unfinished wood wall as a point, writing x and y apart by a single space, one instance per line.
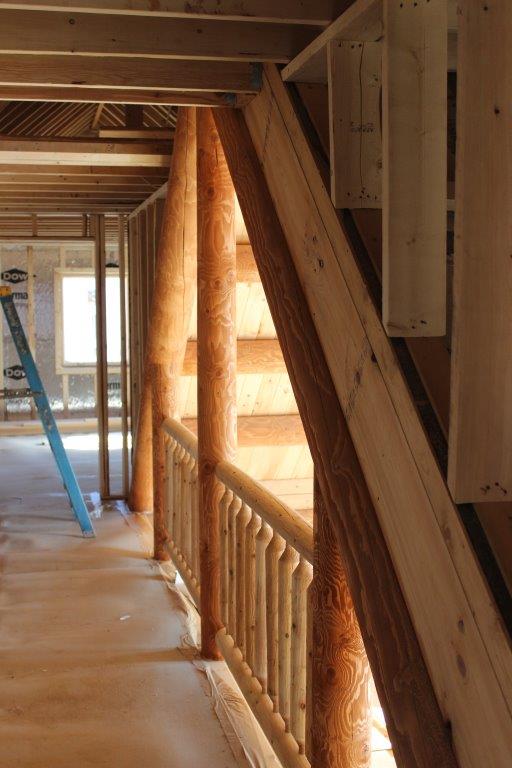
41 248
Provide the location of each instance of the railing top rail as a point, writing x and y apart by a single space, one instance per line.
182 435
284 520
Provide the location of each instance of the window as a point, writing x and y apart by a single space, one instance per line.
75 320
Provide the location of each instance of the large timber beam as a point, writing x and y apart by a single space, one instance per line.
40 32
413 717
126 95
88 172
28 151
480 437
318 12
119 72
449 591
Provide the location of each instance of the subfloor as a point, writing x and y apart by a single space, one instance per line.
93 669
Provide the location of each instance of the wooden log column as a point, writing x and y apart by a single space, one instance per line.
171 310
216 363
418 732
341 720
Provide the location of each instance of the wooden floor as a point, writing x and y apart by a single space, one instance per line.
92 668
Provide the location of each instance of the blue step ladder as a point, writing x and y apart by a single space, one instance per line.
36 390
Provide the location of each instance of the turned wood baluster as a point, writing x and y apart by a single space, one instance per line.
272 555
195 521
178 516
250 587
234 509
172 487
168 487
242 521
263 539
287 564
301 580
227 498
185 503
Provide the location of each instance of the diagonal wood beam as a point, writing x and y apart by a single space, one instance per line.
413 717
398 463
97 115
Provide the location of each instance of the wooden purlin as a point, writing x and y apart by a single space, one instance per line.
377 402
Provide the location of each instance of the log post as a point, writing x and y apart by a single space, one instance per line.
341 719
171 310
417 730
141 490
216 364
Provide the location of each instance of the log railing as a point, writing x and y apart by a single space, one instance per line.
266 557
182 504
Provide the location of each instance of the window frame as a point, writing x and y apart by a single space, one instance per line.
61 367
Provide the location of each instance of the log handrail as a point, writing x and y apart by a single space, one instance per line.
182 435
268 606
282 518
288 523
266 556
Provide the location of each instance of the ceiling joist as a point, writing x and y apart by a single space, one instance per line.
117 72
170 38
127 95
317 12
29 151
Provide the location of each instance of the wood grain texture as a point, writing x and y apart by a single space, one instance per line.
216 363
480 438
270 431
121 96
341 719
390 442
172 304
40 32
121 72
354 82
433 362
414 156
418 732
253 356
319 12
